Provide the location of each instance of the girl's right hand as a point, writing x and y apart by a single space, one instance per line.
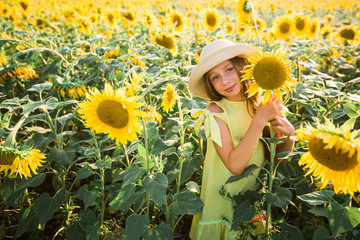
268 111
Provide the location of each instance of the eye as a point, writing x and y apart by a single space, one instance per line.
229 69
215 77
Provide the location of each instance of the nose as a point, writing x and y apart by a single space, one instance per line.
225 79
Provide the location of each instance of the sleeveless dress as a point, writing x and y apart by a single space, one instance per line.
215 220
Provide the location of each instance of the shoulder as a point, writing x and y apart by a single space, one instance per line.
213 107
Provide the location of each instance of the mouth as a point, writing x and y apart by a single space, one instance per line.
230 88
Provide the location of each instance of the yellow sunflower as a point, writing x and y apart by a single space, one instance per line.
112 113
243 11
110 18
211 19
177 19
134 84
74 88
168 41
302 24
169 98
5 10
333 155
283 26
3 60
313 28
347 33
270 71
150 114
20 161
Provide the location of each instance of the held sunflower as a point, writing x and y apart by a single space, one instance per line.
270 71
333 155
112 113
20 161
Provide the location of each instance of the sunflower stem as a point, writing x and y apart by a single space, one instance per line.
271 179
11 138
126 155
147 162
182 135
255 23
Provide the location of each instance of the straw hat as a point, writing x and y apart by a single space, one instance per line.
213 54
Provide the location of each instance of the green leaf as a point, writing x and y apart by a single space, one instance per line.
161 231
32 182
187 203
75 232
51 103
349 124
84 172
155 185
247 172
136 225
47 206
319 211
242 213
318 197
288 232
124 199
28 221
9 192
59 155
92 232
133 174
31 106
41 87
322 233
280 199
159 147
66 103
342 219
189 167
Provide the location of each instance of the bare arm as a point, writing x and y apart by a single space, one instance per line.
236 158
284 128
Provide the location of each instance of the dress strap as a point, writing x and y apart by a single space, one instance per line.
211 127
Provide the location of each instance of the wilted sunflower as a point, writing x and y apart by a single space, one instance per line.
112 113
168 41
74 87
333 155
22 72
270 71
20 161
283 26
211 19
169 98
347 33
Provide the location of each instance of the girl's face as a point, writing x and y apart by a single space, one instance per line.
226 81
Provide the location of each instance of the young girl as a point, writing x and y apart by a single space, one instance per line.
233 126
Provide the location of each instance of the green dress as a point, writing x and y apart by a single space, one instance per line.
215 220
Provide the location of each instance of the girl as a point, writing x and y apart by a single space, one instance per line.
233 125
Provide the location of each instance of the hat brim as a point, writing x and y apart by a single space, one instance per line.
196 80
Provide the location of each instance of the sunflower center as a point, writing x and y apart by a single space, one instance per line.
331 158
7 158
170 96
347 34
166 42
113 113
269 73
300 24
110 17
177 19
129 16
211 20
284 27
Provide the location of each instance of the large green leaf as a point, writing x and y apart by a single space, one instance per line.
31 106
318 197
32 182
322 234
155 185
280 199
242 213
186 203
40 87
59 155
47 206
75 232
247 172
288 232
136 225
161 231
133 174
342 219
189 167
124 199
28 221
10 193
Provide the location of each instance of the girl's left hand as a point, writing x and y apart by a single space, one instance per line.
282 126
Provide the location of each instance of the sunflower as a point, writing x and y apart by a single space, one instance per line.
5 10
136 60
3 60
110 18
112 54
134 84
283 26
211 19
301 24
243 11
175 18
270 71
333 155
347 33
112 113
150 114
168 41
169 98
20 161
74 87
314 28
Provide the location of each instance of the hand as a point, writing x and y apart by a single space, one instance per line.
270 110
282 126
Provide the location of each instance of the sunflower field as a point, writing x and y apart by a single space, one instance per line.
97 136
